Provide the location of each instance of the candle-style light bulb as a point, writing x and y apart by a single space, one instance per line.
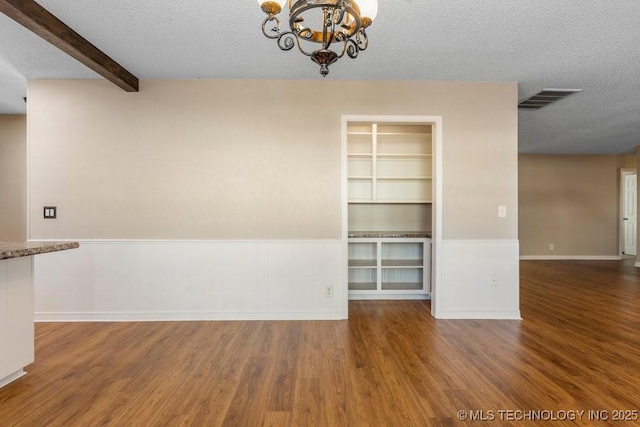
368 11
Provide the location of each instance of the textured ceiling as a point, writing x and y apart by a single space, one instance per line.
592 45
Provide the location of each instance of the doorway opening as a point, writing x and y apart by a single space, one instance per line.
392 185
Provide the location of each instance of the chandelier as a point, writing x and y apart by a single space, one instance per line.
340 27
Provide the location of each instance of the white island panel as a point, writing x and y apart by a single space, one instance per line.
16 317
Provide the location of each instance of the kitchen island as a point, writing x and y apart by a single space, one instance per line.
17 304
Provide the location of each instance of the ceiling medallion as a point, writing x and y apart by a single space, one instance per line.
338 22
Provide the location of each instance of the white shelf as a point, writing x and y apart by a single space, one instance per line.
404 178
394 201
363 286
359 133
362 263
401 286
363 201
360 154
405 133
402 263
403 155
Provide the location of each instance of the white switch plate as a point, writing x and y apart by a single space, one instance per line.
502 211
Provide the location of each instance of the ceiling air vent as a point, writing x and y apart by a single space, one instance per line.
546 97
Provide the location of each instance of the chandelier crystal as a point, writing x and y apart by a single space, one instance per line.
339 27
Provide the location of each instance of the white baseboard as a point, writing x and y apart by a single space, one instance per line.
10 378
570 257
375 297
183 316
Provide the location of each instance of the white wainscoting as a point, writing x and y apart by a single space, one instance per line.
468 288
191 280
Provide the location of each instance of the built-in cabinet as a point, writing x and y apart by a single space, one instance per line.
390 181
389 267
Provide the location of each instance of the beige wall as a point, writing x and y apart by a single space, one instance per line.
216 159
571 201
628 161
13 178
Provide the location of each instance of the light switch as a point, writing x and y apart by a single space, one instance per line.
50 212
502 211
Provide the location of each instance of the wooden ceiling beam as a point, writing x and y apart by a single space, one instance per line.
34 17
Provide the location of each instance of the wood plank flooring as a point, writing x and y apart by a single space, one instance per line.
577 348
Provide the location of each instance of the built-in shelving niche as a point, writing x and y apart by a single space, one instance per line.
390 188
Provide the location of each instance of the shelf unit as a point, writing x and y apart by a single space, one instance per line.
389 268
389 163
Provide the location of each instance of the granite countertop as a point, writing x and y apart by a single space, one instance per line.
20 249
389 235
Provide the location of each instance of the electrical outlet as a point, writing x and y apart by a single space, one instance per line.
328 292
494 282
502 211
551 246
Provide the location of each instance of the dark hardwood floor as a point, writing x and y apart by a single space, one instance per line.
576 349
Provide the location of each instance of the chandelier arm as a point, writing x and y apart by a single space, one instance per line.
352 49
305 32
275 29
342 38
286 40
301 49
362 40
327 27
341 11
